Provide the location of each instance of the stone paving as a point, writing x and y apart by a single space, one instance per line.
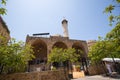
96 77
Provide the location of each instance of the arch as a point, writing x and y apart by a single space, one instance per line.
40 51
60 45
79 48
82 60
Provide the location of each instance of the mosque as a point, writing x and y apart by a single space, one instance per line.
43 43
42 46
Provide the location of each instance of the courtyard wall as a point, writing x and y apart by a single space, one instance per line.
44 75
97 69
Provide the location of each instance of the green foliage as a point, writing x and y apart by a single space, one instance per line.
111 17
70 55
56 55
77 66
118 1
114 33
97 51
104 48
109 8
61 55
14 56
3 2
2 9
110 46
112 7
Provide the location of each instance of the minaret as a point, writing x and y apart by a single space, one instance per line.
65 28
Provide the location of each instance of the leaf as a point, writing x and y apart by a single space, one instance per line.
2 11
3 2
61 55
118 1
111 17
109 9
15 56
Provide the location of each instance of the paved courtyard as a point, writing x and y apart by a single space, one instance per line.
96 77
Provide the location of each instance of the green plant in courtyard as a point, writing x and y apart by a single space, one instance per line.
114 35
77 66
100 50
61 55
56 55
14 56
110 45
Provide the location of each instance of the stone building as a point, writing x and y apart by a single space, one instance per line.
90 43
4 31
42 46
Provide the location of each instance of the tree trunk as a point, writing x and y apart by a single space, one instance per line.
1 69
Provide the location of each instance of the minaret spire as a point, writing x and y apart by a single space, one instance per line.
65 27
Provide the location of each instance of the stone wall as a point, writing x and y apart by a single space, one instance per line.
4 31
50 41
97 69
42 47
45 75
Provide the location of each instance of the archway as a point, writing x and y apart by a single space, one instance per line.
82 59
60 45
79 49
40 52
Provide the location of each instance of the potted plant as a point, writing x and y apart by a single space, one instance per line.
77 67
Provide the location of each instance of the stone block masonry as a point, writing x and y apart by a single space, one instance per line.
45 75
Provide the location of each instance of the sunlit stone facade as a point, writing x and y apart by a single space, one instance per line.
42 46
4 31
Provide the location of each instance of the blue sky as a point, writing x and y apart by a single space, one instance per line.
86 20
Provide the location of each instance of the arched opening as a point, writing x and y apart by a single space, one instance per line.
40 52
79 49
82 59
60 45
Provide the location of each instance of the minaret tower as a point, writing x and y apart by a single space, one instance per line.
65 28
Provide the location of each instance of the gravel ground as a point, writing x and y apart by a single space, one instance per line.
97 77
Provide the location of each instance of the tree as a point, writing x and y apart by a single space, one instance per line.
14 56
56 55
70 55
102 49
113 18
114 35
2 9
61 55
97 51
110 45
